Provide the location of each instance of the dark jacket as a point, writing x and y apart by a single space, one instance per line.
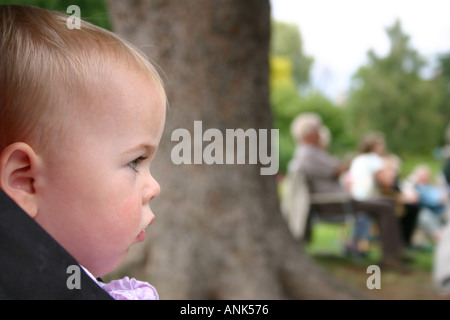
32 264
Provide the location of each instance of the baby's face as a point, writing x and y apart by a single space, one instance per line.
97 186
423 176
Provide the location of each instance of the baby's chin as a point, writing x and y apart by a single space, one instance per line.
100 271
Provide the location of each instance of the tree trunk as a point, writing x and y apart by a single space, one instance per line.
218 232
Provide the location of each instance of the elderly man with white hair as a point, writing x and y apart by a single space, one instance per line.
322 173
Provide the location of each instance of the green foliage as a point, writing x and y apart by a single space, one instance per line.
95 12
389 95
442 84
284 102
287 102
286 41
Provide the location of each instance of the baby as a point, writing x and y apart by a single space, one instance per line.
81 116
431 195
433 201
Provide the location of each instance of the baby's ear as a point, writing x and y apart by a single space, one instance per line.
18 163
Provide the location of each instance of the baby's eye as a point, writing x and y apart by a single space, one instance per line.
133 164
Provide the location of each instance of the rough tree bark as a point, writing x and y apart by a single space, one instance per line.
218 232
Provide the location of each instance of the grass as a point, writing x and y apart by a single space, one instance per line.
411 161
326 247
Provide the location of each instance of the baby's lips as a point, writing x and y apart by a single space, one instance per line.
141 236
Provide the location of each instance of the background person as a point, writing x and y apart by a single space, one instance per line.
433 202
323 175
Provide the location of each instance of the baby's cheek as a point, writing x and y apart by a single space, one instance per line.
129 215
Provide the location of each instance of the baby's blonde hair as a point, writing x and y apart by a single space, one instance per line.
44 66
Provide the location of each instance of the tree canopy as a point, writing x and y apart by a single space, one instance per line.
389 94
292 93
286 41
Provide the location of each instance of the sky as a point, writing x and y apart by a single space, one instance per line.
338 33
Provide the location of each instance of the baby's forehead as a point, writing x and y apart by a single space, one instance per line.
111 76
126 100
116 93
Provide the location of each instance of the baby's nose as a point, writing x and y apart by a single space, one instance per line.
151 189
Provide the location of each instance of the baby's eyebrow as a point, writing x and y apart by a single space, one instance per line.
146 148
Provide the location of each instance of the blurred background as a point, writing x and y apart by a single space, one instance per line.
372 65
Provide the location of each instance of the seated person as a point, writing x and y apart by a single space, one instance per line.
433 201
369 170
375 174
323 173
